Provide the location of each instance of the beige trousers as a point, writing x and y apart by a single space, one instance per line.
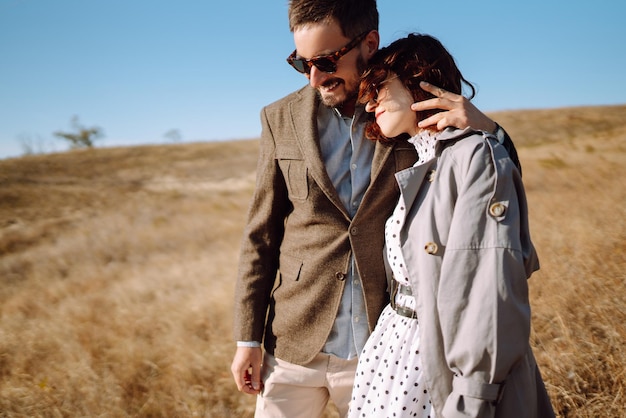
292 391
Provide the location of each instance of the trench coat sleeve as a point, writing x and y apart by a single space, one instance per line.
483 302
260 246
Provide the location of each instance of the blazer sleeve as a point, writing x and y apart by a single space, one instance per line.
260 246
483 295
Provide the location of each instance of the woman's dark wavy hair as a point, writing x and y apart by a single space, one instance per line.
413 59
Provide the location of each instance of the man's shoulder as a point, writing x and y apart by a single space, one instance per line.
305 93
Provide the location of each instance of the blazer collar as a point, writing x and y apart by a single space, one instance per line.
303 113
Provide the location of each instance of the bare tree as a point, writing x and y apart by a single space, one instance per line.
173 135
82 137
31 144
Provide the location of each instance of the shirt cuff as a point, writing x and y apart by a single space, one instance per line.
253 344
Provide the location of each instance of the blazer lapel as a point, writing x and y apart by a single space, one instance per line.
381 154
304 119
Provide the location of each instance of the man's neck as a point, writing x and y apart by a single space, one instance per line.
347 109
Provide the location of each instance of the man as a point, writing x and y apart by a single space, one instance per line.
311 281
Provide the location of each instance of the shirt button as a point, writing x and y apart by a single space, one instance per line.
353 166
497 209
340 276
356 319
431 248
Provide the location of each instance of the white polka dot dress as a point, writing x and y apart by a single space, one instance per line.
389 381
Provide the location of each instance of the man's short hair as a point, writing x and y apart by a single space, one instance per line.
354 16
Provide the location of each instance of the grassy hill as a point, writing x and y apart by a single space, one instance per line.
117 267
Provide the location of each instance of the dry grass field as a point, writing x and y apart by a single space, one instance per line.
117 268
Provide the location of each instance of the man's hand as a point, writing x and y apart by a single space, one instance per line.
456 111
246 369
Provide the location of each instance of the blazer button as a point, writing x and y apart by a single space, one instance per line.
340 276
497 209
431 248
354 230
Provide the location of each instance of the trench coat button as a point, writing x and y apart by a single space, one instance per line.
497 209
431 248
340 276
431 176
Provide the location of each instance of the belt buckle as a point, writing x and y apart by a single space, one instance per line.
394 292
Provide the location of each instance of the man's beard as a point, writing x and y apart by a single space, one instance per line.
331 100
350 91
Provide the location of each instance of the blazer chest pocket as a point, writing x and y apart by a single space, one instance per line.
294 169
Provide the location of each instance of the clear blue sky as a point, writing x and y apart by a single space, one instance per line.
140 68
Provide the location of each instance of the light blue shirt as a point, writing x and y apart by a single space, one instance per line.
347 155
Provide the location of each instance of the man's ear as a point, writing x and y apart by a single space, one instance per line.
371 43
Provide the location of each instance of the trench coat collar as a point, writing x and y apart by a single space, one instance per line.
410 180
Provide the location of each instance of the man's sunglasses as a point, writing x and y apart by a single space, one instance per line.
326 63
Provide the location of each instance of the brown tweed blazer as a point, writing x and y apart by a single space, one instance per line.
298 239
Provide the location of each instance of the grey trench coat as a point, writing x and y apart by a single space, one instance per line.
467 246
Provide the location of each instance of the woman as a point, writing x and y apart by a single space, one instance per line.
454 341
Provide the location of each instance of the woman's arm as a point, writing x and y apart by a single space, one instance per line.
483 294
